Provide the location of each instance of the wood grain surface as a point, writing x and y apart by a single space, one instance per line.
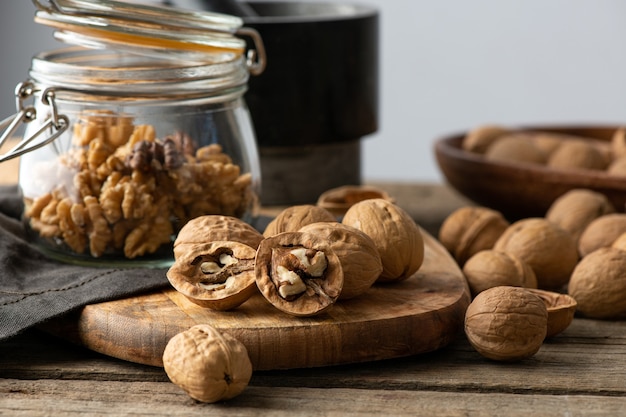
420 314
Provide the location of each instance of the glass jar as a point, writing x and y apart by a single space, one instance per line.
124 145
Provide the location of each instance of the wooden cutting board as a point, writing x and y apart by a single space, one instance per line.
420 314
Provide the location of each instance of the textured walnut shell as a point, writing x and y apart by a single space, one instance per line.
547 142
321 293
598 284
618 144
186 275
357 252
577 154
480 138
469 230
339 200
396 235
206 364
549 250
601 232
204 229
561 310
516 147
577 208
506 323
293 218
490 268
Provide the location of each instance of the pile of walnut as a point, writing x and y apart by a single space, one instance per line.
303 262
528 278
553 150
121 190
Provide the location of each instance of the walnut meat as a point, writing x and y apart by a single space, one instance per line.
469 230
506 323
298 273
490 268
206 364
293 218
397 237
598 284
549 250
218 274
357 252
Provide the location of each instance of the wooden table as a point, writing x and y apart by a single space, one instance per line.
582 371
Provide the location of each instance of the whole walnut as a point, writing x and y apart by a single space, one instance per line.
468 230
549 250
516 147
506 323
208 365
577 154
490 268
480 138
357 252
574 210
618 144
598 284
601 232
292 218
617 167
396 235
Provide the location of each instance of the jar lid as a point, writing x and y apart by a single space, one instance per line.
161 31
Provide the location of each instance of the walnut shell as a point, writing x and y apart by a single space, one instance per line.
549 250
218 275
561 310
209 366
293 218
506 323
601 232
396 235
517 148
617 167
618 144
289 282
339 200
357 252
480 138
468 230
577 154
574 210
598 284
208 228
490 268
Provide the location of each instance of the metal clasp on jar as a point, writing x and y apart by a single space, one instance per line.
56 123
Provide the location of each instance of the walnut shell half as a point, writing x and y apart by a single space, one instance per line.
218 275
208 228
298 273
561 310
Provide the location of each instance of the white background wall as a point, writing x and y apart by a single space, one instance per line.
447 66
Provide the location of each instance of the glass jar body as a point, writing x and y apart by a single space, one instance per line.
132 169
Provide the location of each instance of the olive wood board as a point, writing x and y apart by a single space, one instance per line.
420 314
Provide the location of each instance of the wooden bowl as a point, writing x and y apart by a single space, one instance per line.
521 190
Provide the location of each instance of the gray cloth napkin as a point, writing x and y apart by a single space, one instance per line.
34 288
